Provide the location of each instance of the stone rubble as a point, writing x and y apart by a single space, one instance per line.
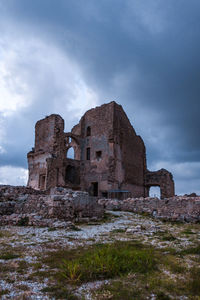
57 208
60 207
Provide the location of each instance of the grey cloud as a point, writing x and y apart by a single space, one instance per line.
143 54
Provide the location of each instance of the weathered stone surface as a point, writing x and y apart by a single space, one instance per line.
175 209
39 208
108 156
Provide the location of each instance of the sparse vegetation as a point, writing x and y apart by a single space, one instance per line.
74 228
51 229
4 234
134 268
188 231
59 292
8 255
120 230
4 292
168 237
191 250
107 261
23 221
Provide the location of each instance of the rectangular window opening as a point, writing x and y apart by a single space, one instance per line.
95 188
98 155
42 182
88 153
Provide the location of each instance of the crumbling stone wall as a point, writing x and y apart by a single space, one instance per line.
49 143
109 156
163 179
18 203
129 156
182 208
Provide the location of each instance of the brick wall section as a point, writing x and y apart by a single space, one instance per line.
109 155
161 178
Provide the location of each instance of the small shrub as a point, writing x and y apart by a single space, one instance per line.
23 221
72 271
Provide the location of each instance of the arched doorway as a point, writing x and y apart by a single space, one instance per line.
71 153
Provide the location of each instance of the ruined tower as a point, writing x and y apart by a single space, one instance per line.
108 156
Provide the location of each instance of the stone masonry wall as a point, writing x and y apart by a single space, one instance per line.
18 204
174 209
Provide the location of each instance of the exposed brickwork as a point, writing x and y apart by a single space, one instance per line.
109 155
161 178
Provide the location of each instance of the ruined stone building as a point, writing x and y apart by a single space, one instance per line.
109 157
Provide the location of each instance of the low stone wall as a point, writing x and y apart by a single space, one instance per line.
19 205
179 208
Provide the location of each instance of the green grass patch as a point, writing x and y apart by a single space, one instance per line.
22 267
9 255
188 231
51 229
107 261
168 237
191 250
5 233
194 282
172 263
119 230
4 292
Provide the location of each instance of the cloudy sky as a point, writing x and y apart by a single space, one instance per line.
66 56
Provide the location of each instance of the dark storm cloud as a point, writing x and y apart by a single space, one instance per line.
143 54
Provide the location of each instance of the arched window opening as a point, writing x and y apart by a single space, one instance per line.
154 191
88 132
71 153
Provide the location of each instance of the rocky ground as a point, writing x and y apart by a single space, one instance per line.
31 260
